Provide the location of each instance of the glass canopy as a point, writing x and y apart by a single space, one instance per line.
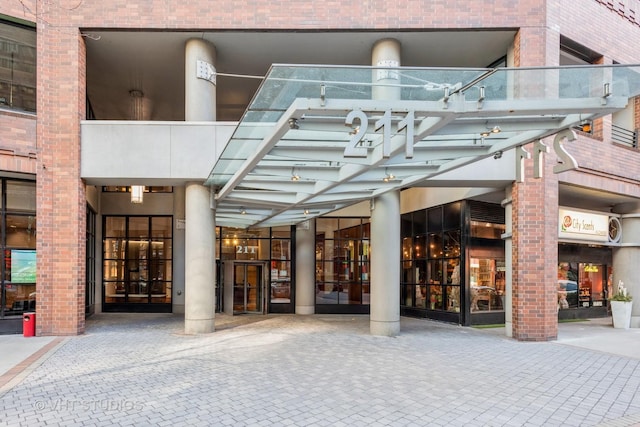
319 138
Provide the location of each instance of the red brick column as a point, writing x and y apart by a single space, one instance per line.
60 192
535 218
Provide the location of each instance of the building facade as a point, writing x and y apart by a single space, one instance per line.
99 101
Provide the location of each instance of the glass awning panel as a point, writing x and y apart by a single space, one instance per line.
318 138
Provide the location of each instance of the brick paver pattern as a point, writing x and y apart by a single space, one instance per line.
140 370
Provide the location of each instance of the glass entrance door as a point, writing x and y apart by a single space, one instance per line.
247 288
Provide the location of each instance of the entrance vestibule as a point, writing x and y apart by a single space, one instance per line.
244 287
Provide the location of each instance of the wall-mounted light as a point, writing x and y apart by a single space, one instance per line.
388 176
293 124
306 212
585 126
137 193
294 175
243 211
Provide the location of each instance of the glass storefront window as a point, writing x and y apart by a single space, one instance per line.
592 284
240 244
20 280
21 196
487 230
271 246
568 285
21 231
18 284
435 245
451 243
280 270
343 255
431 277
17 67
487 284
137 262
581 285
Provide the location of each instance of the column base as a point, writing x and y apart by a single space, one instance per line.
508 329
199 326
305 310
384 329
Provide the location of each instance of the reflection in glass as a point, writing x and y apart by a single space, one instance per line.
137 267
420 247
453 298
487 284
452 243
342 263
421 296
435 245
21 231
435 297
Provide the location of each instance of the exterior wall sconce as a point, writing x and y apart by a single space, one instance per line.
137 193
294 175
585 126
388 176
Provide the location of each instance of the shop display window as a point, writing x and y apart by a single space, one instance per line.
280 276
19 226
487 283
581 285
431 259
343 254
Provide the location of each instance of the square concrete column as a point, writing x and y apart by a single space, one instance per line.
305 268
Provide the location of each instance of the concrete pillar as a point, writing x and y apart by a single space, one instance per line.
199 241
305 267
385 214
386 83
385 265
200 273
199 93
508 253
626 257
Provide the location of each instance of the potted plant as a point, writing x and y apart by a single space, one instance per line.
621 303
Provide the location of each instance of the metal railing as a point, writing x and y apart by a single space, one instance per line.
624 136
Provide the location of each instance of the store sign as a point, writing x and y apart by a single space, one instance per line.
579 225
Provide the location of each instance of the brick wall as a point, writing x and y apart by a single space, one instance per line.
247 14
61 92
534 234
60 192
23 9
626 9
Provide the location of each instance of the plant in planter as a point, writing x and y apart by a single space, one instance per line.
621 303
